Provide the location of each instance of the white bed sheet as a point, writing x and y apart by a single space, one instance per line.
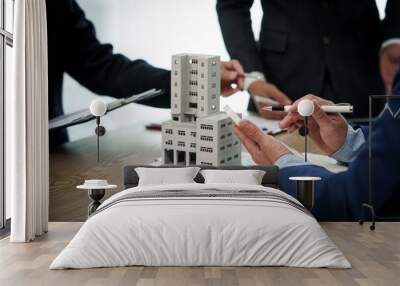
200 231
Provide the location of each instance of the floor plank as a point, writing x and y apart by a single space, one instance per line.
375 257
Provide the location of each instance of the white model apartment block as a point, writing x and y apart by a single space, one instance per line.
198 134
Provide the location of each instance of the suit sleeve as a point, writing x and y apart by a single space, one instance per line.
339 196
391 23
95 66
235 21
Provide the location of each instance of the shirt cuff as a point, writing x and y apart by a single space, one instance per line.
290 160
354 141
252 77
390 42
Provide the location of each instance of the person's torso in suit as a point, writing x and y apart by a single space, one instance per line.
73 48
305 44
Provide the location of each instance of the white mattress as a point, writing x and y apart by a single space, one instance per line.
200 231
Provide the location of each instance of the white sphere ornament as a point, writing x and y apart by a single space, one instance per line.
305 107
98 107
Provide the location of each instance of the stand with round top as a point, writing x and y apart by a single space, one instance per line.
96 191
305 190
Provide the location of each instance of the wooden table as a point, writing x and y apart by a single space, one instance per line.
76 161
374 255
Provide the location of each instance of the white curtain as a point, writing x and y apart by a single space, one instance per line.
27 122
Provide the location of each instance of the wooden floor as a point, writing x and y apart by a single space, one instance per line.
375 257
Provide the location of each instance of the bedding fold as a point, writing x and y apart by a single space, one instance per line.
201 225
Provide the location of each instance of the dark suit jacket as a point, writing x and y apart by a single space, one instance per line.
302 43
74 48
339 196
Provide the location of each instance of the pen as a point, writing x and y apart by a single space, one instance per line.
326 108
153 126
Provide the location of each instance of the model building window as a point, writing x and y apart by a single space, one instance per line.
206 127
193 72
230 123
176 95
193 93
214 96
192 158
229 159
202 86
236 155
206 138
214 85
168 142
192 82
236 142
214 63
202 64
222 137
192 105
192 145
202 108
229 134
222 161
193 134
222 148
181 132
181 144
168 156
202 75
193 61
181 157
176 105
175 84
229 145
206 149
206 163
168 131
214 74
175 72
222 125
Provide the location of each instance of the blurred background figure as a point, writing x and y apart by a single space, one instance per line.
337 49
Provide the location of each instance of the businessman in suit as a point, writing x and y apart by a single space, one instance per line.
73 48
337 49
338 196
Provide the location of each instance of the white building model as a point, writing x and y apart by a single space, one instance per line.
198 134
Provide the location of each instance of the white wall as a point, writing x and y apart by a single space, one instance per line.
154 30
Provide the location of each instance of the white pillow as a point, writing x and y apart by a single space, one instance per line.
247 177
166 176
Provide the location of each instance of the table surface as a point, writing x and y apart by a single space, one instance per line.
76 161
374 256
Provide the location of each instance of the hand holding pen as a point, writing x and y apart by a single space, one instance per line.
327 130
330 108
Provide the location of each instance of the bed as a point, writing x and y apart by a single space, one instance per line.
198 224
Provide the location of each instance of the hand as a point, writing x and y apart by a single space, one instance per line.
263 148
329 132
264 89
389 62
232 73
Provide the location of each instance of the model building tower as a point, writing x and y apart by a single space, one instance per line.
198 134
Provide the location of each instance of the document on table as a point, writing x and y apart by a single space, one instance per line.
315 159
84 115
